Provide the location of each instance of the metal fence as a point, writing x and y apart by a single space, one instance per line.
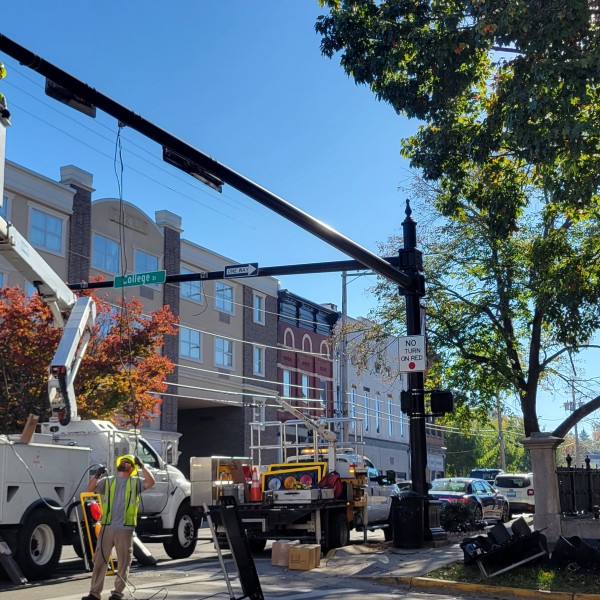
579 489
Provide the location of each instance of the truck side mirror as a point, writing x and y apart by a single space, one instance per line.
390 475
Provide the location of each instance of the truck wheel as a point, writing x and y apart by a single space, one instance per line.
185 534
39 545
338 532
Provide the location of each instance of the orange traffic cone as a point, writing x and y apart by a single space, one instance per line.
255 491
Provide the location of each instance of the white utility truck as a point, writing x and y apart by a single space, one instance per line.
42 476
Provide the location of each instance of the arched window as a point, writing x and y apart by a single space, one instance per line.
306 344
324 349
288 339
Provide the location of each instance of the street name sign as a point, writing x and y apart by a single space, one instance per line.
411 353
247 270
149 278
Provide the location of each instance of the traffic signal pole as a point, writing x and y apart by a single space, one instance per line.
408 276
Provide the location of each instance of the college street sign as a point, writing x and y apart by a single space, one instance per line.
149 278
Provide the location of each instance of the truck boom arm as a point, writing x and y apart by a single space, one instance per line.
314 425
26 260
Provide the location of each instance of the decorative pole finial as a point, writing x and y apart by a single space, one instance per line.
408 211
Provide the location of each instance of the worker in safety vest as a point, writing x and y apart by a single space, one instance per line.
120 502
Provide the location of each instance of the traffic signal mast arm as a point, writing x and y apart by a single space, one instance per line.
321 429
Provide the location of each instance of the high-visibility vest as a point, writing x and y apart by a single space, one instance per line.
131 503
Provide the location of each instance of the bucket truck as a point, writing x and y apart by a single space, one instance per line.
42 475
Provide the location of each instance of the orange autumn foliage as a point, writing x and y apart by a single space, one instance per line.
121 374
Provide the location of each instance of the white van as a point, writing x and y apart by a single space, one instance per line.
518 489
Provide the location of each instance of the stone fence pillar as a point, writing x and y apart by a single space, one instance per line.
542 447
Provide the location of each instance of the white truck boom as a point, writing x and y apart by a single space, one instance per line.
321 429
79 314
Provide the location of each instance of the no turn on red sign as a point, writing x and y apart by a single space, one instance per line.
411 353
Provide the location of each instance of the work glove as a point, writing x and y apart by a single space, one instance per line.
100 471
138 462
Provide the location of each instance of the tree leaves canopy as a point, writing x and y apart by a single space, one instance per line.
508 95
488 78
121 371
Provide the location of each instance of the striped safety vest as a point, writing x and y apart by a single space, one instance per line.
131 504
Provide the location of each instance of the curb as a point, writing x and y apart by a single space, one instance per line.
426 584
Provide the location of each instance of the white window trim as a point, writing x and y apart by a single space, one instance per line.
110 239
286 387
154 286
200 353
305 377
7 200
262 312
199 299
217 364
260 349
52 213
223 310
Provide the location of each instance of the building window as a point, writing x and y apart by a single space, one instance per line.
352 406
145 263
224 353
4 207
307 344
1 280
223 297
191 290
106 254
288 339
190 343
323 393
401 424
366 408
258 308
287 384
377 413
258 362
45 231
305 386
390 422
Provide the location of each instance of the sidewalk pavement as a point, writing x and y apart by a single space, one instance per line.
408 569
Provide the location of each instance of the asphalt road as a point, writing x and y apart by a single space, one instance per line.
201 576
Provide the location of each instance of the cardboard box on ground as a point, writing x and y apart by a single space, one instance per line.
294 555
304 557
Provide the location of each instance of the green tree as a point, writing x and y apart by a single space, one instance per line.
121 373
503 310
507 94
488 78
479 445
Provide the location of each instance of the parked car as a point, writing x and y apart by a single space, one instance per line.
488 474
518 489
485 502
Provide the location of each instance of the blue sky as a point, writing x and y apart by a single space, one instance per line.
244 82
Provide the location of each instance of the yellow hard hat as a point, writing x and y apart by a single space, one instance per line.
129 458
2 70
